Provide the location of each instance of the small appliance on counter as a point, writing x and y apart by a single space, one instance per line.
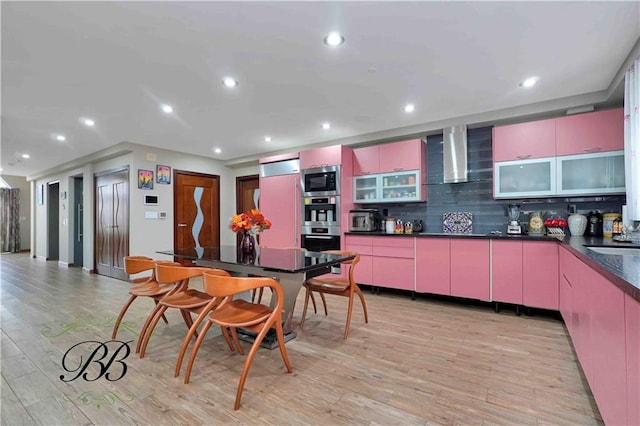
418 226
364 220
514 228
594 224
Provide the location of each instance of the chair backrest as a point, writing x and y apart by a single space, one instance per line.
167 273
220 286
136 264
351 262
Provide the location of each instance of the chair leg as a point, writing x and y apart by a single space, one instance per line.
185 343
306 304
313 301
349 310
194 350
247 364
283 349
364 304
149 332
234 334
225 334
145 326
324 303
120 315
166 321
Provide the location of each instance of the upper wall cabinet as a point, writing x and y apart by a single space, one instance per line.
525 141
589 133
389 158
321 157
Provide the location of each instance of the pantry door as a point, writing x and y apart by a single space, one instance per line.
196 211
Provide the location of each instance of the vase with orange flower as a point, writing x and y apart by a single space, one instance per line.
250 223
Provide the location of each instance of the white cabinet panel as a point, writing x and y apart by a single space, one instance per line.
591 174
525 178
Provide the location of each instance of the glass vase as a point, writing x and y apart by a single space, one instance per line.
248 244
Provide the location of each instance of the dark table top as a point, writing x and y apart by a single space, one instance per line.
273 259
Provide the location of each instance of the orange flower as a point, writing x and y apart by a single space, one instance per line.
252 221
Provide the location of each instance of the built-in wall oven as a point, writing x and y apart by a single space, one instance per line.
321 238
320 181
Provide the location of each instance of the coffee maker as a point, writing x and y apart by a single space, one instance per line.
514 228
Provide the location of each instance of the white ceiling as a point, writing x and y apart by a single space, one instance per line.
456 61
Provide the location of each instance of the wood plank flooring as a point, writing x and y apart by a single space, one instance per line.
416 362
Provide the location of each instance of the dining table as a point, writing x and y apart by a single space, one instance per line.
290 267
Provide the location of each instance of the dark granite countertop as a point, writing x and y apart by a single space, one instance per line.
623 271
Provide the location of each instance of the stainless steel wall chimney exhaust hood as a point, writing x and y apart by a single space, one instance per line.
455 154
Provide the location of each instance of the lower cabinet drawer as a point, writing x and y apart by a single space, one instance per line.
393 273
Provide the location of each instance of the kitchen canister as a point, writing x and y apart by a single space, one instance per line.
577 224
608 219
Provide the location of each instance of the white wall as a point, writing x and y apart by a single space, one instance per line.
146 236
24 186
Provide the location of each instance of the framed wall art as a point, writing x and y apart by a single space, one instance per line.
163 174
145 179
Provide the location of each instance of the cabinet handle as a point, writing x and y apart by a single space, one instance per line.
523 157
398 169
594 149
182 225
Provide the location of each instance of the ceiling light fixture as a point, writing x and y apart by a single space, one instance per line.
267 138
26 156
409 108
529 82
217 150
326 126
88 122
61 138
334 39
229 82
167 108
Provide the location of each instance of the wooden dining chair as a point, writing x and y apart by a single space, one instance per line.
231 313
187 300
145 286
346 287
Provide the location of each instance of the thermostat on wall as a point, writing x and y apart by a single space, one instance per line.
150 200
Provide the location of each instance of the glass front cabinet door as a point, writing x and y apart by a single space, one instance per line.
591 174
397 187
365 189
525 178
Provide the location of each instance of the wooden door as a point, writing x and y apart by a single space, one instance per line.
247 196
112 223
196 210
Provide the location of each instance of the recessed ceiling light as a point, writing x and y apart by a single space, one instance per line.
326 126
229 82
61 138
529 82
26 156
167 108
88 122
217 150
334 39
409 108
267 138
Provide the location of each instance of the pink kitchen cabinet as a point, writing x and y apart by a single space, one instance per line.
363 273
566 289
366 160
540 283
402 156
470 268
591 132
536 139
321 157
506 264
280 203
433 266
607 346
632 329
394 262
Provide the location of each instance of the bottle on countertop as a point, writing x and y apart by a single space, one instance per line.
594 224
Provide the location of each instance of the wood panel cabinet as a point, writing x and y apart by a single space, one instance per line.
591 132
536 139
632 329
470 268
506 271
540 274
433 266
279 201
390 157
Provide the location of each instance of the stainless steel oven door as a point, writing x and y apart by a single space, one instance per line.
315 242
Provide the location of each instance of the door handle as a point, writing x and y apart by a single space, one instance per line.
318 237
182 225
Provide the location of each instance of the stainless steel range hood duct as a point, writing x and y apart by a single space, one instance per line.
455 154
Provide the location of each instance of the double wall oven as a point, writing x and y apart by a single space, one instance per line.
320 208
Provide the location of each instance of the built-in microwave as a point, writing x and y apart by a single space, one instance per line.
320 181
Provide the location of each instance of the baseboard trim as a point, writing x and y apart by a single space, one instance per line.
44 258
88 270
64 264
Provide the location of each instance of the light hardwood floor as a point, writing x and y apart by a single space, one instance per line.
416 362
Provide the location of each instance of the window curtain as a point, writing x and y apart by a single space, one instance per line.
632 141
9 219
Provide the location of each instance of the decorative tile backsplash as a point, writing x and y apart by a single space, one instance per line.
457 223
